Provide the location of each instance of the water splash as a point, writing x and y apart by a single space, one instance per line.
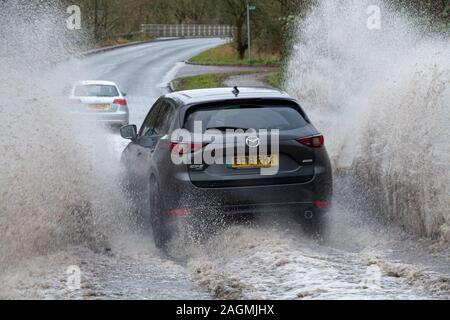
57 187
381 97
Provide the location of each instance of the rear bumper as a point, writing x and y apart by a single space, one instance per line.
179 192
290 198
257 208
212 217
118 118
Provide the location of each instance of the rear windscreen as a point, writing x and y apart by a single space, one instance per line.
245 116
95 91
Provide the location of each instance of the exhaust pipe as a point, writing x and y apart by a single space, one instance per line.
309 214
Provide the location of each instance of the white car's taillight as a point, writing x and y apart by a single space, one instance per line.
122 103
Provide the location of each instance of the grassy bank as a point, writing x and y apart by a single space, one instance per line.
227 55
199 82
275 80
205 81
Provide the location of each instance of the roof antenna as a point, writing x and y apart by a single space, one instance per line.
236 91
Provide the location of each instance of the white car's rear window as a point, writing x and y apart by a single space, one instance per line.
94 90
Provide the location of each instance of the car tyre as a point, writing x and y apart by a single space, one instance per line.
161 232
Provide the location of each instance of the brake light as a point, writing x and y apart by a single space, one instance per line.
179 213
313 142
322 204
184 148
121 102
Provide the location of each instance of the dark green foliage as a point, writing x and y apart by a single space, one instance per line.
272 22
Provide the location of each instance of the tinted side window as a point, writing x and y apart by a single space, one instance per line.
165 118
152 119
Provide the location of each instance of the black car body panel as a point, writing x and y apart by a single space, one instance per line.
305 174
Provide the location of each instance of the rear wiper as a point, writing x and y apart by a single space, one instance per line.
224 128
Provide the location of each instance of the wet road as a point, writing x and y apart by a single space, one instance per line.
143 71
359 259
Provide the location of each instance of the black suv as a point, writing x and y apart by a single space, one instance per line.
168 191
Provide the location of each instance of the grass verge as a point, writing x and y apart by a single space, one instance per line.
205 80
227 55
275 80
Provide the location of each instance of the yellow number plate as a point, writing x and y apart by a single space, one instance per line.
247 162
98 106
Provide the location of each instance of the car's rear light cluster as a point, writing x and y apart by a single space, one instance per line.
313 142
177 213
185 148
322 204
120 102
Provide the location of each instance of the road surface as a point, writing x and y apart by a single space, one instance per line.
359 259
143 71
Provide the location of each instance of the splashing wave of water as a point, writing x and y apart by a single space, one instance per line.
53 192
381 97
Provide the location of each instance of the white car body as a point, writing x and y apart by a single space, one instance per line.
101 101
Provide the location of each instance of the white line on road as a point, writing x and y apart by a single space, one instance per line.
171 75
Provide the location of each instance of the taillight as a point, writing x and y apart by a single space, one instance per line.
120 102
322 204
313 142
184 148
177 213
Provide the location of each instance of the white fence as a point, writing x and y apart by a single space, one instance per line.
188 30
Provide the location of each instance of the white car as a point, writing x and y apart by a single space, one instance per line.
100 100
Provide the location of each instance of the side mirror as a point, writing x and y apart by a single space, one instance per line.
129 132
124 94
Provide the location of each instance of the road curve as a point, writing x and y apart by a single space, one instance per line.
141 70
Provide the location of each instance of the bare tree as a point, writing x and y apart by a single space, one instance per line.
235 11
